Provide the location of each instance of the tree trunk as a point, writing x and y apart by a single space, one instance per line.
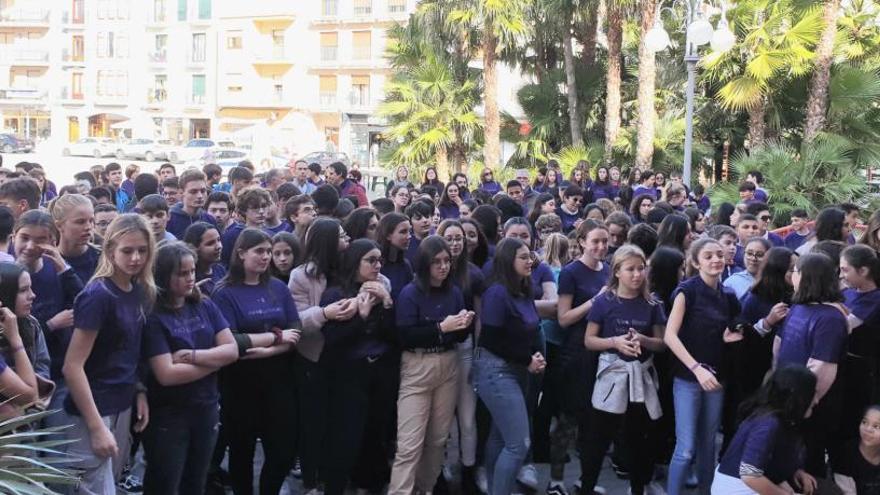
614 34
817 101
442 157
757 126
574 117
585 33
647 76
492 133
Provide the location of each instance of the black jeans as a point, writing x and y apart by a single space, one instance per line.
259 401
362 396
603 427
178 444
311 384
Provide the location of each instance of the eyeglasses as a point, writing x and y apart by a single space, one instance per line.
487 174
372 260
455 240
577 200
765 218
757 255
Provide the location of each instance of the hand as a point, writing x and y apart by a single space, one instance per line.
538 363
626 347
103 442
183 356
53 253
290 336
454 323
341 310
731 337
578 222
258 353
777 313
377 290
64 319
805 482
706 379
365 303
143 413
10 324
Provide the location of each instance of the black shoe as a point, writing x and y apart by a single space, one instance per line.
440 487
468 480
620 471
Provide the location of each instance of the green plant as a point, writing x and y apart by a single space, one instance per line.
28 456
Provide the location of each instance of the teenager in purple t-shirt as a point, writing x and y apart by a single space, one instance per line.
257 404
814 335
101 365
509 349
625 324
205 239
253 206
394 235
186 341
74 216
703 313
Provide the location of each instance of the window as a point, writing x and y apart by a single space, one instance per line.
78 12
199 44
112 83
161 42
278 92
233 89
76 83
158 10
329 46
329 8
105 44
278 43
396 6
327 91
181 10
233 40
362 49
360 91
78 49
158 93
204 9
198 89
363 7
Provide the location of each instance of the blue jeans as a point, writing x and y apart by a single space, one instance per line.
178 444
697 418
501 387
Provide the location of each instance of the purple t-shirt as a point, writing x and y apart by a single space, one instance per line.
616 315
582 283
3 365
85 264
568 219
218 271
194 326
763 445
112 367
817 331
794 240
865 338
418 313
257 308
509 325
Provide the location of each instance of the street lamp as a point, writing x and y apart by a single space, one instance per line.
699 32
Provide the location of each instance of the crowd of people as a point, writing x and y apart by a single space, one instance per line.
191 317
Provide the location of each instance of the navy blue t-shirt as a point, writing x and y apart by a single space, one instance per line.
412 250
228 238
207 287
85 264
509 325
112 367
194 326
449 210
281 227
708 312
795 240
257 308
754 308
540 274
582 283
817 331
476 286
179 220
418 314
763 446
865 338
616 315
54 293
568 219
398 273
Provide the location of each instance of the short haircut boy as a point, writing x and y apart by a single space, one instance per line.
190 175
152 204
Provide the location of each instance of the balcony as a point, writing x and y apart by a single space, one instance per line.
362 53
69 98
157 57
359 102
157 21
111 100
196 60
267 22
24 17
269 100
25 57
197 101
72 59
327 99
329 53
70 23
156 98
276 56
22 96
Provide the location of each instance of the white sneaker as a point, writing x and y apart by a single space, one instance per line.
528 476
481 480
655 488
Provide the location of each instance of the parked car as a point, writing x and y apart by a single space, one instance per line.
193 150
10 143
91 146
135 149
160 150
325 158
227 158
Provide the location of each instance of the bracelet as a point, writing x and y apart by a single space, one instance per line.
695 366
16 349
279 335
192 357
324 313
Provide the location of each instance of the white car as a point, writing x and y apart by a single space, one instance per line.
140 149
91 146
227 158
193 150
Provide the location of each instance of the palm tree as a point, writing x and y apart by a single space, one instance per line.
497 24
614 35
574 118
647 75
817 102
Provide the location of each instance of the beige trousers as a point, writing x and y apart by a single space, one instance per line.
425 409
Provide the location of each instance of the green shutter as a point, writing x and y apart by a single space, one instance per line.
198 85
204 9
181 10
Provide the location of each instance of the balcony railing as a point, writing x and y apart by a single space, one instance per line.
24 15
25 57
157 95
396 8
67 94
195 100
158 56
361 53
329 53
330 8
327 98
21 93
72 57
361 10
70 21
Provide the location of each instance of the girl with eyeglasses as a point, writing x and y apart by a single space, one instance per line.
361 364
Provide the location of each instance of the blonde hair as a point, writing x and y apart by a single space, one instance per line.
61 206
622 255
556 250
120 226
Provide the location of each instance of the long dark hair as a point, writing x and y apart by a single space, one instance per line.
503 271
168 258
787 394
481 252
194 233
322 257
459 272
429 247
673 231
819 282
351 261
663 274
487 217
358 221
295 249
636 203
10 273
829 225
542 199
861 256
387 225
725 211
771 284
248 238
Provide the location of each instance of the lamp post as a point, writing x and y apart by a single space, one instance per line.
699 31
